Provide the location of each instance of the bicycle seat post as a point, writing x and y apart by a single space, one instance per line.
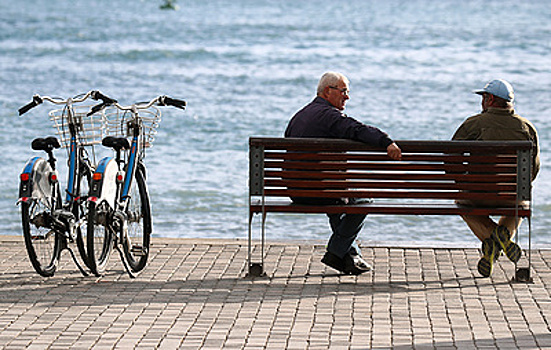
118 156
51 158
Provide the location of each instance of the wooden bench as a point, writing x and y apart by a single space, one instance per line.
428 180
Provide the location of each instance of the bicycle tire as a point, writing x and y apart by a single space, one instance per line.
80 210
42 242
136 243
99 237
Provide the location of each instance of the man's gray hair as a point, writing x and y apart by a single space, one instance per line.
330 79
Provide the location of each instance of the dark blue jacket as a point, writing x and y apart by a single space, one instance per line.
320 119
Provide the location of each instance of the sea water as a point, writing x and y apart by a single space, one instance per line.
245 67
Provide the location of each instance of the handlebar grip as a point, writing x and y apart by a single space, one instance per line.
168 101
96 95
35 102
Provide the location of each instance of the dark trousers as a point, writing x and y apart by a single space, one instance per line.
345 227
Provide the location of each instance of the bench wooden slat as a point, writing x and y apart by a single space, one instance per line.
326 193
290 174
387 208
315 156
414 185
476 167
321 145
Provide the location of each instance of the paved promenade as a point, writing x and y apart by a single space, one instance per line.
193 295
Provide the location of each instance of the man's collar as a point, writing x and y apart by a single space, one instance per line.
501 110
320 99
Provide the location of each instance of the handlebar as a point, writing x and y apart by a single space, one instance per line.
106 101
96 95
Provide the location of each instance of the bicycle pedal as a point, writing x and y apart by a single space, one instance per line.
39 237
137 250
64 214
40 220
42 237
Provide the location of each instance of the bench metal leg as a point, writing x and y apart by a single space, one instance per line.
523 274
256 269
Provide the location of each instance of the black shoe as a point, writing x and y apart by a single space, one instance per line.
355 265
333 261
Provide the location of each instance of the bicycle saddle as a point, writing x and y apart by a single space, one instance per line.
117 143
45 144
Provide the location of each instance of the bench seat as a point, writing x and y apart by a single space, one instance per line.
388 208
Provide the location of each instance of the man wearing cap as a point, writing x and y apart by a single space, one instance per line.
324 118
498 121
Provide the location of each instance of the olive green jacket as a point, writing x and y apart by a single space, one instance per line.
501 124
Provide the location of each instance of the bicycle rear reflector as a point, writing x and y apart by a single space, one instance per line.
53 177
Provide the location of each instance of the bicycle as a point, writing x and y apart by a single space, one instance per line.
51 223
119 211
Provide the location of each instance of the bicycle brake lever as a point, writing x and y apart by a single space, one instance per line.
96 95
97 108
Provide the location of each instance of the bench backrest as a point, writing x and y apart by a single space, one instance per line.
435 170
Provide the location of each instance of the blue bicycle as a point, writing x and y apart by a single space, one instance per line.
51 221
119 211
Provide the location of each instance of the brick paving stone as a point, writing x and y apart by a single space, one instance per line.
194 295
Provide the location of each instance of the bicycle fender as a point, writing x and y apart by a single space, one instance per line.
104 186
36 179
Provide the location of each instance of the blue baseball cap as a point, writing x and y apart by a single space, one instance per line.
500 88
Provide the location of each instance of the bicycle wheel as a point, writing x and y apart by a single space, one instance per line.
43 243
98 236
136 244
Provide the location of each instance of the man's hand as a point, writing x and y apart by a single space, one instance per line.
394 151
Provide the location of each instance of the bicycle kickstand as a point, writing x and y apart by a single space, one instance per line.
124 262
64 245
123 234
